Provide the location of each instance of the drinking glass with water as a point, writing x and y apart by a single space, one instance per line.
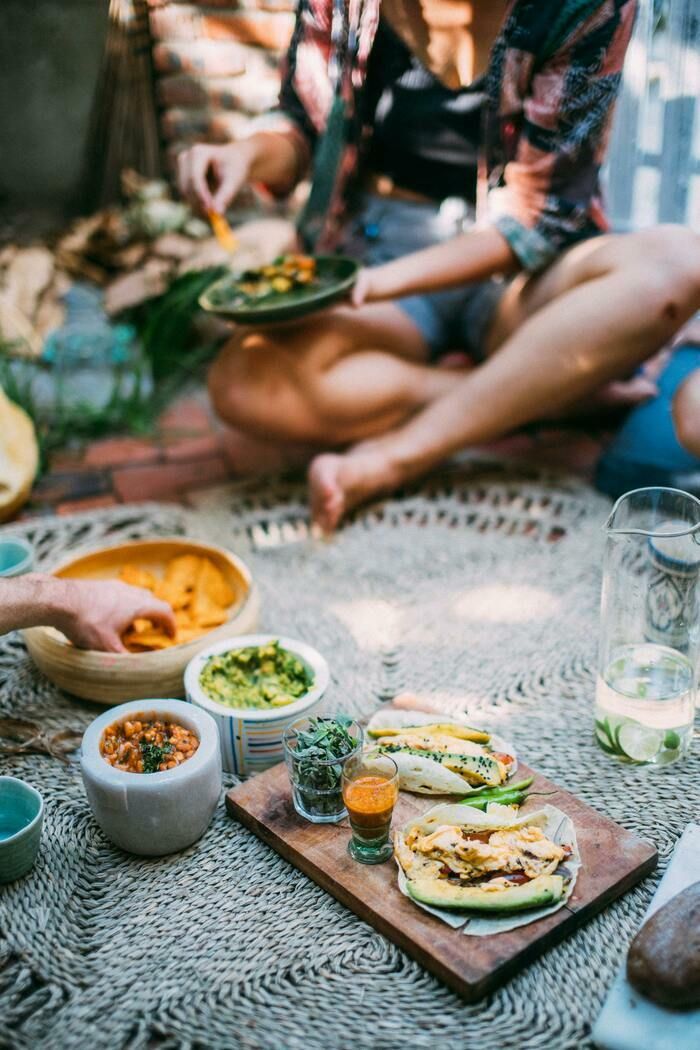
650 627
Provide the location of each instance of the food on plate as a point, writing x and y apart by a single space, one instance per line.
664 959
287 274
257 676
440 757
315 750
508 795
197 591
147 745
457 858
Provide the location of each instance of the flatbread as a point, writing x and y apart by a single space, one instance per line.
556 825
425 776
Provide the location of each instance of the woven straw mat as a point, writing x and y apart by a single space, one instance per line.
480 589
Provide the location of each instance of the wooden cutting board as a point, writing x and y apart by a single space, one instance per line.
613 860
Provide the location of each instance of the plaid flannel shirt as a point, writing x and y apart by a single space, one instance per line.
553 77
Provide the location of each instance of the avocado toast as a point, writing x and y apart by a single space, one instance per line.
458 862
438 756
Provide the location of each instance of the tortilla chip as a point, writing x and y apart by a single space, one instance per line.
135 576
174 594
196 590
153 639
212 581
182 571
205 610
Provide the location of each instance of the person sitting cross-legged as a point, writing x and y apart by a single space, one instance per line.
394 107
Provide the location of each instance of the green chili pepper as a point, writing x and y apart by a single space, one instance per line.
493 794
509 798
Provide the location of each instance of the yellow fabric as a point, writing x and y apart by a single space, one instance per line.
19 457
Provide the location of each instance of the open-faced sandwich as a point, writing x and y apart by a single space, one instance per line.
440 756
456 858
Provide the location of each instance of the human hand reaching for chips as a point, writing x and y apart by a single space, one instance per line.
195 589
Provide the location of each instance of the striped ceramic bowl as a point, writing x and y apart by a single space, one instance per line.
251 739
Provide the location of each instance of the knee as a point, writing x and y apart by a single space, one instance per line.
671 255
686 414
663 267
238 377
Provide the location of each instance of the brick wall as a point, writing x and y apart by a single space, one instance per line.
216 64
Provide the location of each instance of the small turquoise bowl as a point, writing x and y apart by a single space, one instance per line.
21 819
16 557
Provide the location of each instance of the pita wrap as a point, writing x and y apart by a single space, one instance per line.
476 758
478 897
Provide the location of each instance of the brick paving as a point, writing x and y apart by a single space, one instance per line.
185 455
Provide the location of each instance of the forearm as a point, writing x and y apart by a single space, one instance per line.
473 256
31 601
274 160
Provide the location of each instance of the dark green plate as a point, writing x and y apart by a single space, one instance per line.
336 275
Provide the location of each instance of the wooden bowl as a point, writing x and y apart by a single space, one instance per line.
112 678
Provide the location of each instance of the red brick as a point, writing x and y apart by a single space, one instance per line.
202 447
247 5
71 485
246 93
77 506
187 417
213 58
212 125
66 460
169 481
117 452
175 23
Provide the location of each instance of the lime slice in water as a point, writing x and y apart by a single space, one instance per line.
640 743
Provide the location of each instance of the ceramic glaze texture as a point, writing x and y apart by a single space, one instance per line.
16 557
21 821
152 814
251 739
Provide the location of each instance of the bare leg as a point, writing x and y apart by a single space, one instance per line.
340 377
686 413
603 308
252 457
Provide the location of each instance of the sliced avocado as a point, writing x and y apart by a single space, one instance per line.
439 893
461 732
476 769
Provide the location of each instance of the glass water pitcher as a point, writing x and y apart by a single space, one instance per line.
650 627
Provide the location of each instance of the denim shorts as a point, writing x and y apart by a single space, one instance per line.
384 229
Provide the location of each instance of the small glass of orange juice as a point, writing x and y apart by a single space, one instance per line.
370 791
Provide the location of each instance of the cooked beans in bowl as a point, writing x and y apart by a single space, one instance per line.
147 745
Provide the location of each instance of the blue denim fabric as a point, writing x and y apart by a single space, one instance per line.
385 229
646 450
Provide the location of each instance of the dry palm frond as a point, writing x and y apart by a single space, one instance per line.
124 128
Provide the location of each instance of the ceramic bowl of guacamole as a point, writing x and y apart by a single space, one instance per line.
254 686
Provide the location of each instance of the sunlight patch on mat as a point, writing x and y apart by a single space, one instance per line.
504 603
374 624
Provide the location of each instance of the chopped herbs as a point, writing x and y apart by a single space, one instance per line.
153 755
316 763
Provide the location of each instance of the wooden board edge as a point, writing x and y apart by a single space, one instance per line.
469 992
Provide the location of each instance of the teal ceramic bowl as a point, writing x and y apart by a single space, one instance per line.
16 557
21 819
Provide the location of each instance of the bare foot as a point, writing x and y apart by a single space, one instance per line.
326 493
250 457
337 483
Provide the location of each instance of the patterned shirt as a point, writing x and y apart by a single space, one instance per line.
553 77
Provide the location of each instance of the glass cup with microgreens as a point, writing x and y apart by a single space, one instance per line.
315 750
